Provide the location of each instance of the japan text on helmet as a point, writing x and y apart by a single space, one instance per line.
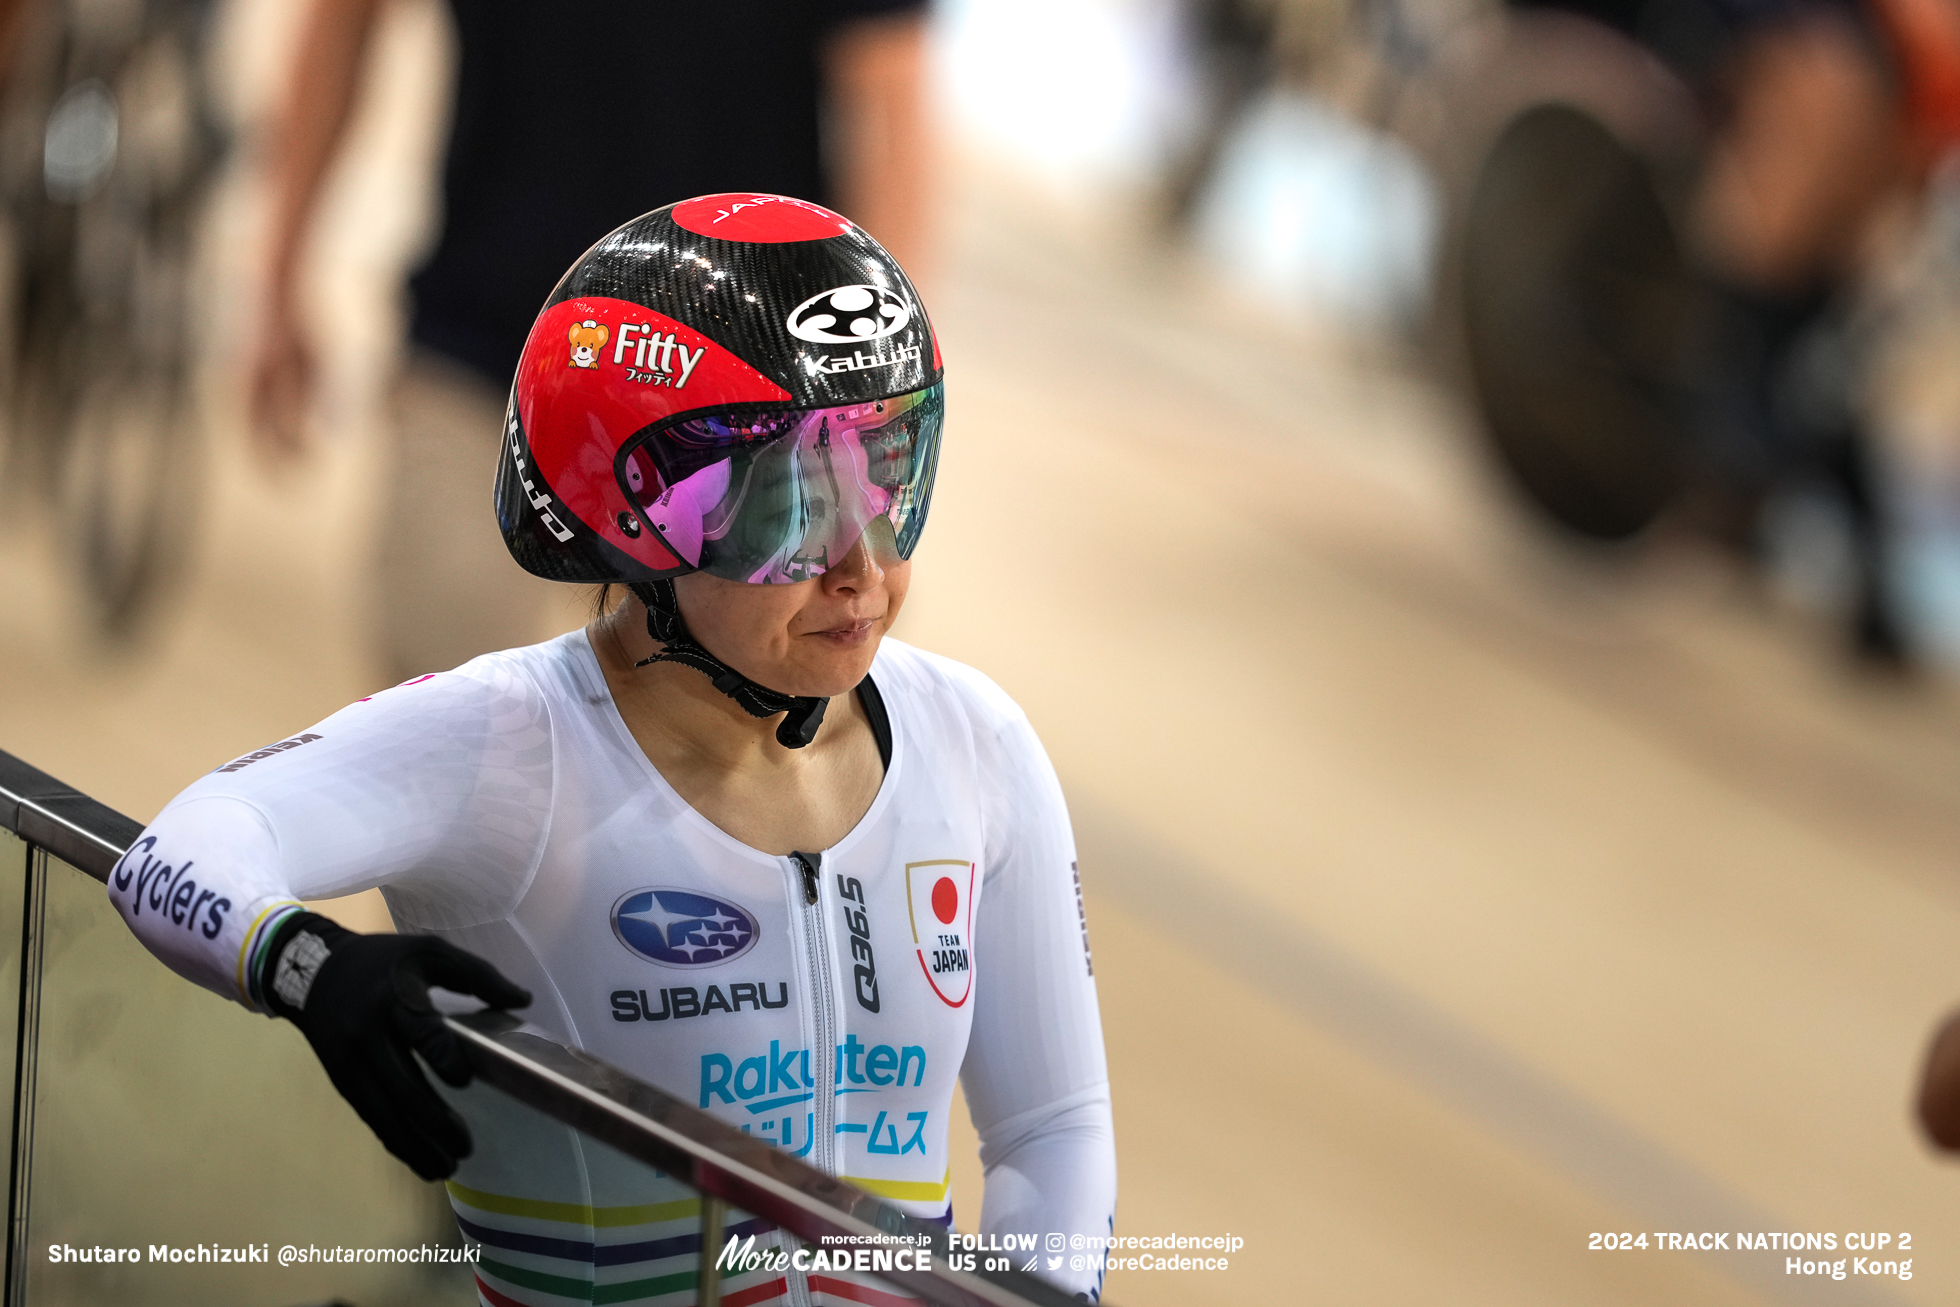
737 384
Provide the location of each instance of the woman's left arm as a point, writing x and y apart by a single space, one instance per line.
1035 1077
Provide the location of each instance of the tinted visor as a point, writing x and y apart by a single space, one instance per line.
774 495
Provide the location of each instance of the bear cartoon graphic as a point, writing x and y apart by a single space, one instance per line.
588 338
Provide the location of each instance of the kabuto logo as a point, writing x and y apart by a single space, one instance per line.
849 315
680 928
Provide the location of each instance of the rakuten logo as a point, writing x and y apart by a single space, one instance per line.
782 1076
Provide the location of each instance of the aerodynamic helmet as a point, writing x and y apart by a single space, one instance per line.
738 384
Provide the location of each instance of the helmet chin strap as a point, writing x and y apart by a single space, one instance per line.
801 714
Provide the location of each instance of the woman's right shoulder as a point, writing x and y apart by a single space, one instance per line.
493 712
498 690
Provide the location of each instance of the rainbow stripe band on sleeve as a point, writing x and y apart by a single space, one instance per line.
251 953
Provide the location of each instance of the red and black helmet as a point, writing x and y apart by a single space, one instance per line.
738 384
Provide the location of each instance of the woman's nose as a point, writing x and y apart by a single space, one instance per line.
856 572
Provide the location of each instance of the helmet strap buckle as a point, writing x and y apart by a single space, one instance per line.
802 714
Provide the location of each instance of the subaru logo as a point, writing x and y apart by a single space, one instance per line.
848 315
680 928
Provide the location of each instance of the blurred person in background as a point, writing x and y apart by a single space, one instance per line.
1823 120
1241 49
561 123
1939 1087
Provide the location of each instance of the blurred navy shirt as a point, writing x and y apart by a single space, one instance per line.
569 122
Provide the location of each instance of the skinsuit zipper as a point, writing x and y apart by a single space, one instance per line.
808 868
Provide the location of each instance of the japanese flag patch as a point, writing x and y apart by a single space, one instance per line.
939 895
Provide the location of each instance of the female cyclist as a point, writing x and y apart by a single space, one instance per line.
729 836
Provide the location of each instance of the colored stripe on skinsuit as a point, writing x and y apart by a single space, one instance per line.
909 1191
583 1290
618 1254
768 1290
756 1293
861 1293
602 1218
494 1298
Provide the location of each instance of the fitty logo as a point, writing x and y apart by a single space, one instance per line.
849 315
587 339
680 928
655 357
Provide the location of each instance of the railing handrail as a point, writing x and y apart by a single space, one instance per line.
88 835
640 1120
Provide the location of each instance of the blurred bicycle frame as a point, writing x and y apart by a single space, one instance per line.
109 147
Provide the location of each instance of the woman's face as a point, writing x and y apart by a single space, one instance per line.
811 638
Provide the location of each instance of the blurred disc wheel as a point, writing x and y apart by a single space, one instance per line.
126 491
1576 304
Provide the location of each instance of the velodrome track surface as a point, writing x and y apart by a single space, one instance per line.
1452 899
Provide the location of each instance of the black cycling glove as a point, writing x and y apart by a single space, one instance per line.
362 1001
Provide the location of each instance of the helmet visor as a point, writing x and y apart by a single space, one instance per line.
770 496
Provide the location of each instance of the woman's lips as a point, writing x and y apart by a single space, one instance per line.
848 633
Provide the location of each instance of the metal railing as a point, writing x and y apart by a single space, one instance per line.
733 1172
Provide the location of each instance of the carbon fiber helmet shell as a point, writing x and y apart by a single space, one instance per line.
694 309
